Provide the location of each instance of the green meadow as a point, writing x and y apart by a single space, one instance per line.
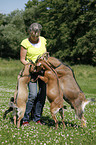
46 134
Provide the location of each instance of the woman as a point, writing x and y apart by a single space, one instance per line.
31 48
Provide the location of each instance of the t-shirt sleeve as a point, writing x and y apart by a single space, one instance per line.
24 43
45 41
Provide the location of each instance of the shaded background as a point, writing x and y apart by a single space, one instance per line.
69 27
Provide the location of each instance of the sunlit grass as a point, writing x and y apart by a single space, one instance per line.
9 68
46 134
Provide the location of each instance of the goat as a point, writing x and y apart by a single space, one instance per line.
18 102
72 93
54 93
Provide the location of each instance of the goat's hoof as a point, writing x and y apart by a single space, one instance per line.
56 128
4 116
64 126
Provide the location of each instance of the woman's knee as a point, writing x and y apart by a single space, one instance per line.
32 96
32 91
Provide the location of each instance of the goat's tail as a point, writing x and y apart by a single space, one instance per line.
87 101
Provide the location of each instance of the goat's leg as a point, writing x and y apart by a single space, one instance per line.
54 110
18 123
79 113
14 119
83 121
7 111
20 114
61 111
18 120
55 119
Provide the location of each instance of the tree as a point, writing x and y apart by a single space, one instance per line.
85 47
11 34
68 25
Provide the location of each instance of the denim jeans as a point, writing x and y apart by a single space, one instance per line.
40 100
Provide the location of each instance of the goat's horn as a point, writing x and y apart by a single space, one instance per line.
40 56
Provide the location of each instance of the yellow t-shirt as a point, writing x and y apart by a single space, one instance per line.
34 50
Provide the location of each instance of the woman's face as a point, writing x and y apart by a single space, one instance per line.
35 35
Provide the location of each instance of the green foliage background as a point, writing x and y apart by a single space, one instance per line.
68 25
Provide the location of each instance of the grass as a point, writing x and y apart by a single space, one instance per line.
46 134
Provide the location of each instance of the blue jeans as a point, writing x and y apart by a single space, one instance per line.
40 100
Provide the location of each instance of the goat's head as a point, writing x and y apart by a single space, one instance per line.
39 65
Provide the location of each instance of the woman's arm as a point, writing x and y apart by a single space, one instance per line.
23 52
